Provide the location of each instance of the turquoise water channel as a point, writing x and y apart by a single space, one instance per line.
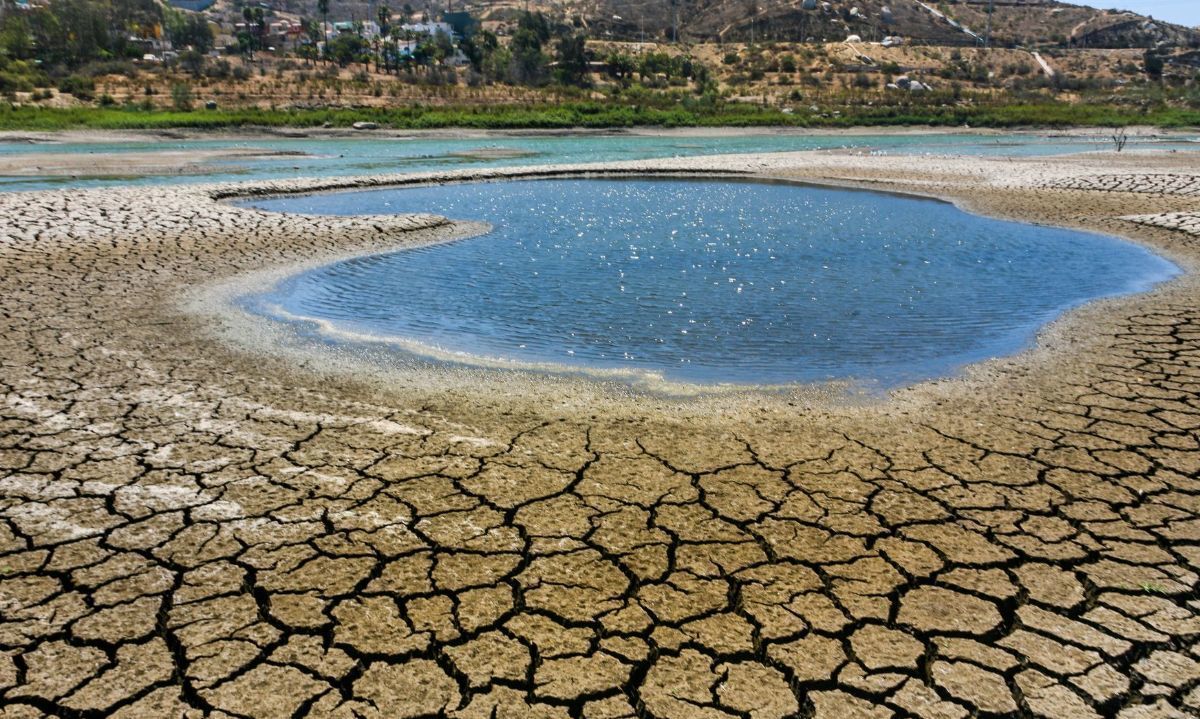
707 280
370 155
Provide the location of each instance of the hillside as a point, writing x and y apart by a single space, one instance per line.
954 22
1054 63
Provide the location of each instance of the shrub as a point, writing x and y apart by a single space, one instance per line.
11 82
81 87
181 96
110 67
219 69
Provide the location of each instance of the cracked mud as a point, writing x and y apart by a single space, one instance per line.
194 528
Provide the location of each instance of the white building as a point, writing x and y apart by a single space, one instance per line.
429 28
370 30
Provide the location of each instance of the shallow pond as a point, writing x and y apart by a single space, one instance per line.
709 280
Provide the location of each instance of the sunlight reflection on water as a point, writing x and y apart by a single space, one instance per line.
712 280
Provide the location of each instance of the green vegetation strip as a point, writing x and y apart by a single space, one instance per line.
588 115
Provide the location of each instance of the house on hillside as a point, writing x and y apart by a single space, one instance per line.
367 29
430 28
280 32
370 29
149 45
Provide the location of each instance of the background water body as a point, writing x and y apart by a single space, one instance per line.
711 281
329 157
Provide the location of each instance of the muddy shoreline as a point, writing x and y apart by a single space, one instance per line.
366 356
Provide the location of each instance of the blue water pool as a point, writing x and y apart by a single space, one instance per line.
709 280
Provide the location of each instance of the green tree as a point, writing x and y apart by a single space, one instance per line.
497 64
528 64
1154 64
620 65
656 63
189 30
442 47
479 47
573 61
312 30
536 23
72 32
192 61
308 52
256 25
246 45
68 33
346 48
16 37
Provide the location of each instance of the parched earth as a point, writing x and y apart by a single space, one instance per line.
196 526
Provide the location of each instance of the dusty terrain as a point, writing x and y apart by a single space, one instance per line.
195 522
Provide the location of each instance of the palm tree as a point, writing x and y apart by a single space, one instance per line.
323 8
384 16
254 31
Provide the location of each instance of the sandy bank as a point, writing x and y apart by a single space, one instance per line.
258 133
132 164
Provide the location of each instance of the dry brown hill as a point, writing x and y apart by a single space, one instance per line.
941 22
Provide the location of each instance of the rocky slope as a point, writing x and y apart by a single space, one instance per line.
959 22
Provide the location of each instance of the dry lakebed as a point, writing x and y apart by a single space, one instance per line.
202 514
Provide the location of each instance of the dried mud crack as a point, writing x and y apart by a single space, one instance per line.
189 528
